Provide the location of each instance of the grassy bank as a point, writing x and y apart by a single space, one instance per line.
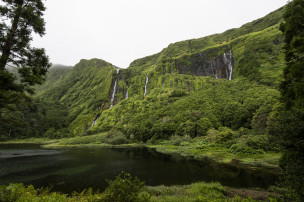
31 141
221 155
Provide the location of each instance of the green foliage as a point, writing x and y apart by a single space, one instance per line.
18 20
286 123
161 116
125 188
240 148
293 29
287 128
13 192
224 135
91 139
170 104
116 137
33 119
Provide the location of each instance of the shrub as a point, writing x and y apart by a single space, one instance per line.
176 140
258 142
125 188
224 135
116 137
240 148
204 124
13 192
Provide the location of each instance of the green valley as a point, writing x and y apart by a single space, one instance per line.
215 98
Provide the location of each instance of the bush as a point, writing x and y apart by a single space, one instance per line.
240 148
125 188
258 142
180 140
116 137
176 140
13 192
204 124
224 135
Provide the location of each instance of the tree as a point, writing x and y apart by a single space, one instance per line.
126 188
287 119
19 18
292 87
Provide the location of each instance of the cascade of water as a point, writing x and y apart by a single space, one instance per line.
227 61
147 80
114 88
94 122
127 93
230 66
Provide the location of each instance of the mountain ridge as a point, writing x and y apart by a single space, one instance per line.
254 51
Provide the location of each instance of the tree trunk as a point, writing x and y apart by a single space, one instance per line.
10 37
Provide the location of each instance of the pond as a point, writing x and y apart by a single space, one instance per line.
68 170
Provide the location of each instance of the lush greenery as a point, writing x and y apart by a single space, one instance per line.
246 120
125 188
33 118
86 89
287 120
18 20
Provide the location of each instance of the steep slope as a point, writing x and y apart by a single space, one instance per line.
55 75
251 56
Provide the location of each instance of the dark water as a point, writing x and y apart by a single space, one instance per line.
76 169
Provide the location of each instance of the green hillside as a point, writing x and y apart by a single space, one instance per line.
188 86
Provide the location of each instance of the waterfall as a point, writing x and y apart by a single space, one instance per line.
147 80
127 93
230 66
94 122
227 61
114 88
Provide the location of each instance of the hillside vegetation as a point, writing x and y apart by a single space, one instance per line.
222 86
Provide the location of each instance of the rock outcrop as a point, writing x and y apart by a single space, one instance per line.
202 64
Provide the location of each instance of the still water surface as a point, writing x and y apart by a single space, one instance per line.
75 169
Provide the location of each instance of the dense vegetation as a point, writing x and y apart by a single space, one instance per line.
288 117
86 89
125 188
181 110
18 20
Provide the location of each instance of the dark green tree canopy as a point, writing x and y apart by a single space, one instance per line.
293 30
19 19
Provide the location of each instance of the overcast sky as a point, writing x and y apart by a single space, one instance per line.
120 31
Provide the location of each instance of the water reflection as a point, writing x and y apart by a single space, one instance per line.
76 169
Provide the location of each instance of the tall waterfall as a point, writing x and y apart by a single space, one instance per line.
114 88
147 80
227 61
127 93
230 66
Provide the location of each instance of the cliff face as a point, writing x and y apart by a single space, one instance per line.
201 64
